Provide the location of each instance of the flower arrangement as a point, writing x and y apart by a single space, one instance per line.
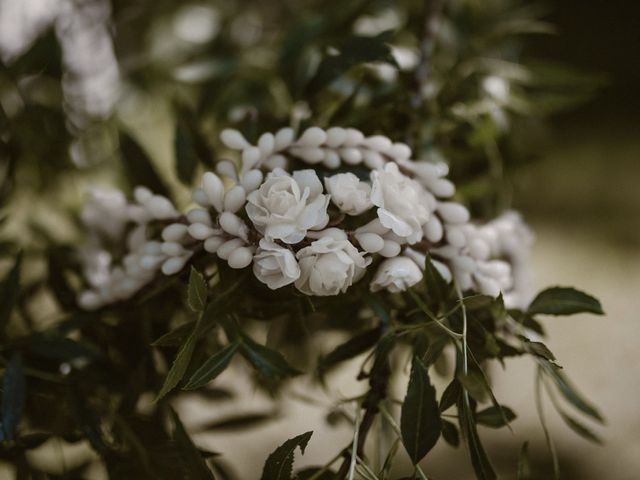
351 203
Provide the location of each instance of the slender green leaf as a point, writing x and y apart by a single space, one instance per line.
569 392
524 466
579 428
9 289
196 291
194 464
351 348
474 383
420 422
564 301
270 363
438 290
450 395
279 465
479 460
13 397
450 433
213 367
495 417
176 336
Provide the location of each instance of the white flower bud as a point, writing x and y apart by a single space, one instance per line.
212 244
463 263
172 249
214 189
251 180
354 137
235 199
396 275
233 139
199 197
199 215
152 248
174 232
310 155
283 139
150 262
351 156
240 258
226 168
275 161
200 231
452 212
138 214
487 286
250 158
225 250
89 300
442 187
336 136
142 194
335 233
445 273
399 151
373 160
433 229
331 159
379 143
266 144
374 226
312 137
173 265
370 242
455 237
390 249
161 208
233 225
479 249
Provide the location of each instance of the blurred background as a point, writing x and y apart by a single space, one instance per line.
580 194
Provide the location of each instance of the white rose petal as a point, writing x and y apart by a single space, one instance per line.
396 275
403 204
348 193
285 207
274 265
329 267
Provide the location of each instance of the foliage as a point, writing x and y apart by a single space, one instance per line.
75 375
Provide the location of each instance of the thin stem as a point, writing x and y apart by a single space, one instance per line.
545 429
354 445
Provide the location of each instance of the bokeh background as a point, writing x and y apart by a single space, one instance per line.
581 196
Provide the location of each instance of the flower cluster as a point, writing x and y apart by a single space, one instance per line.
291 225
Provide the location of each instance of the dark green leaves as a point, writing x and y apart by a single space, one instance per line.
351 348
279 465
182 360
189 146
139 167
420 422
9 289
213 367
479 460
197 291
13 397
570 393
355 50
270 363
495 417
564 301
437 289
194 464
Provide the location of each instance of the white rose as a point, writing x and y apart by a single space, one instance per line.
403 204
348 193
274 265
285 207
329 266
396 275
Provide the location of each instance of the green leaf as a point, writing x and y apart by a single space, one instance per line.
176 336
355 50
437 288
270 363
9 290
524 466
385 471
474 383
279 465
495 417
139 167
196 291
450 433
579 428
564 301
569 392
450 395
185 152
213 367
182 360
191 458
538 348
479 460
420 422
351 348
13 397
